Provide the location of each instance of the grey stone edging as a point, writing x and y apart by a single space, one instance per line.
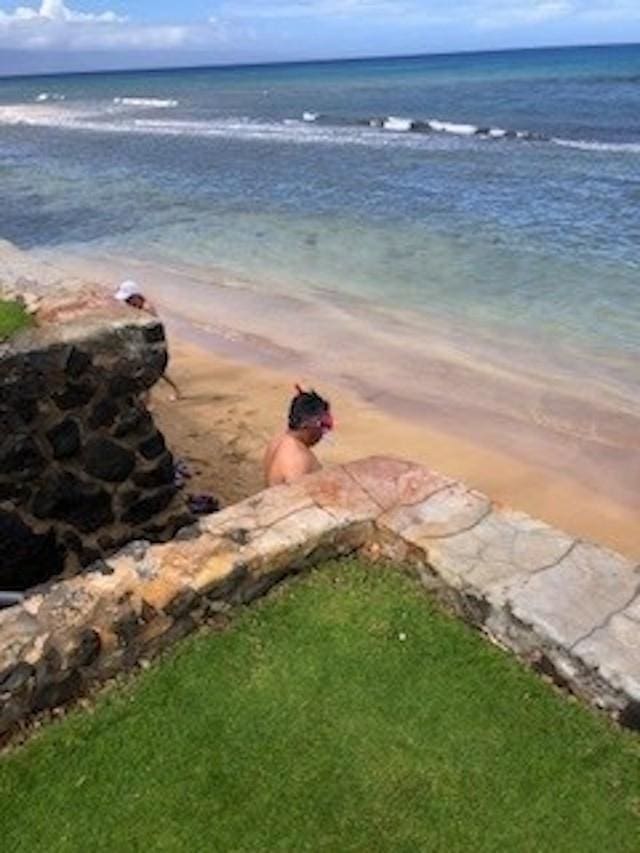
569 608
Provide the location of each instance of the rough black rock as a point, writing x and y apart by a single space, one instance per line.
26 558
135 421
26 408
64 438
75 545
103 414
75 394
77 362
107 460
152 447
12 490
147 507
161 475
123 384
20 455
64 497
154 334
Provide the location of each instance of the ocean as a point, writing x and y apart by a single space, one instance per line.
458 232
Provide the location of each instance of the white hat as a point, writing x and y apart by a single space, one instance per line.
126 290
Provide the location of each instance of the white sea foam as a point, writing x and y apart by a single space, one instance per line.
452 127
308 116
291 131
98 119
87 117
49 96
92 119
613 147
158 103
399 125
41 116
163 126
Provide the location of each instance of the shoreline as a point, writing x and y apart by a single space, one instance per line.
238 382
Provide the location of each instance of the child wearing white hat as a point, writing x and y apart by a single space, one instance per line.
129 293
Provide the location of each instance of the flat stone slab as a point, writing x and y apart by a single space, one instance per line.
573 605
449 510
339 493
259 512
577 595
613 652
502 548
393 482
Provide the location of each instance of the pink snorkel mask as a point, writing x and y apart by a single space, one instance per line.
326 423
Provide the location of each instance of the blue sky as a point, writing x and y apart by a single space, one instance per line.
40 35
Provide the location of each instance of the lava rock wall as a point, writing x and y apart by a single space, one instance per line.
83 468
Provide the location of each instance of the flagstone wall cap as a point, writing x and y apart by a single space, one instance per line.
572 608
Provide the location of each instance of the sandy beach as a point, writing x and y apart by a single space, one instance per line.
237 381
230 409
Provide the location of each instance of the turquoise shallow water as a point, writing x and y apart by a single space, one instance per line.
503 196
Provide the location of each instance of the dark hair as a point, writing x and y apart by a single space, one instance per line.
305 406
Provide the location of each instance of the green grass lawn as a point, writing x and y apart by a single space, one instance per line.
13 317
310 725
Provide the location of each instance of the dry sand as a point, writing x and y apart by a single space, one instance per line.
230 409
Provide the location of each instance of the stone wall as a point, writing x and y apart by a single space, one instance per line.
570 609
83 468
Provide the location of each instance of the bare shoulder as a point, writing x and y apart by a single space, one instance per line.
272 447
286 459
270 460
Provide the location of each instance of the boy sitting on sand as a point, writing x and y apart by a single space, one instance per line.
289 456
130 294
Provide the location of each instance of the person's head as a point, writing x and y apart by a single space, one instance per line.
309 416
129 293
136 301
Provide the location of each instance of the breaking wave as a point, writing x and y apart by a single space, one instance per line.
583 145
49 96
398 124
157 103
310 127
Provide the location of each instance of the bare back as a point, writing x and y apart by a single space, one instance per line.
286 459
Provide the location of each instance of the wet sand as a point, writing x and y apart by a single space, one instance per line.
230 410
571 458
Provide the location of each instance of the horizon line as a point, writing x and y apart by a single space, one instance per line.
155 69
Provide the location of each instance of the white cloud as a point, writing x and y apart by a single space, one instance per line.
499 16
504 14
58 26
480 14
55 10
322 9
234 23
